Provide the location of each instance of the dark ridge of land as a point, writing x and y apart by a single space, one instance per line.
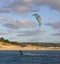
24 44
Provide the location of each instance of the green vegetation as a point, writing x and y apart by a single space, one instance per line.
24 44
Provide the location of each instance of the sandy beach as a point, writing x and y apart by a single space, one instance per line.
28 47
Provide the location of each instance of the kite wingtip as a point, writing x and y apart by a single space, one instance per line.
40 23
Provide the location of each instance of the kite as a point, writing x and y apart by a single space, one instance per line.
38 18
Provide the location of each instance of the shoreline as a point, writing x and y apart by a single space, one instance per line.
4 46
12 47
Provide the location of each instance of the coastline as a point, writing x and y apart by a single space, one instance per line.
28 47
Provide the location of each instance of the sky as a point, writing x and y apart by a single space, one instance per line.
17 22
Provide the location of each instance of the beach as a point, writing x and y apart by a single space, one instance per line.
28 47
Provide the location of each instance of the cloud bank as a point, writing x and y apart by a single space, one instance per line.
11 24
30 32
26 6
56 34
4 32
55 25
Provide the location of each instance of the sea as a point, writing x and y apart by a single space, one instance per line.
30 57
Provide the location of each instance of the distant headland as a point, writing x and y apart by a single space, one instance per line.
5 44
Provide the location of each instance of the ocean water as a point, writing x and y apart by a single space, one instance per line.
30 57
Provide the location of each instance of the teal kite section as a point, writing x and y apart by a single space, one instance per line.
38 18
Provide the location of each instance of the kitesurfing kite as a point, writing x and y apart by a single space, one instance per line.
38 18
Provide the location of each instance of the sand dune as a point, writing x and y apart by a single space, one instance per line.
28 47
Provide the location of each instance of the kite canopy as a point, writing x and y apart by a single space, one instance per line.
38 18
